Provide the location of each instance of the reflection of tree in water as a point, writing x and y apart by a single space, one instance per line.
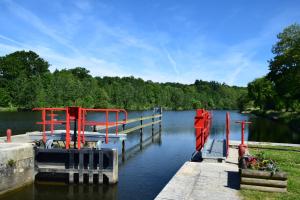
270 131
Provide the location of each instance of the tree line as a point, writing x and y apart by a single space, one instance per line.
26 82
280 88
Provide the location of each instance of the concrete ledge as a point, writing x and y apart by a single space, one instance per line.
16 165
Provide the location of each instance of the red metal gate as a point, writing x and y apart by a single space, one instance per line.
78 116
202 126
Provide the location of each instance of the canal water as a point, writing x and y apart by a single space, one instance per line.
148 168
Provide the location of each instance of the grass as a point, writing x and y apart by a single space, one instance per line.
288 160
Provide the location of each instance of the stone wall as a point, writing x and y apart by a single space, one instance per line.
16 165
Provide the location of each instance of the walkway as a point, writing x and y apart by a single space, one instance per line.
204 180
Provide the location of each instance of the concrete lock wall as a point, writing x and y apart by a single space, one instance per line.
16 165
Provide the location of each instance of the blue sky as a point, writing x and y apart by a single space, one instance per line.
162 40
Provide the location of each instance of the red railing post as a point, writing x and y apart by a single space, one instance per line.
8 135
243 132
242 146
227 132
106 125
78 128
51 119
117 122
67 129
44 125
83 125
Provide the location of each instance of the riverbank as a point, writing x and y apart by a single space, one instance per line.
288 160
292 119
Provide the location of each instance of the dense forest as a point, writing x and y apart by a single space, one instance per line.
279 90
26 82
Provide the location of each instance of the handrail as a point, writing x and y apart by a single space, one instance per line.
78 115
99 127
202 126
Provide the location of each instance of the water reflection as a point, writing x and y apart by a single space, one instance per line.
271 131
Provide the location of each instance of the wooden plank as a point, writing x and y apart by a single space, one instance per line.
264 182
129 121
262 188
263 174
138 127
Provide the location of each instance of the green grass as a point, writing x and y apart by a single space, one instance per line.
288 160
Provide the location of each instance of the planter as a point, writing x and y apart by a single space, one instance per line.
263 180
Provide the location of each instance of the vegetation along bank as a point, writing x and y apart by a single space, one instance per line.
26 82
277 94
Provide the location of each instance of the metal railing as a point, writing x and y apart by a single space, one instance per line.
78 116
202 126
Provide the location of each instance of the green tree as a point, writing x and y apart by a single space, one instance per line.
5 99
285 66
261 91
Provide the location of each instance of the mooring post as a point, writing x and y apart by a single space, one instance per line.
81 159
123 150
8 135
71 166
100 167
114 176
91 166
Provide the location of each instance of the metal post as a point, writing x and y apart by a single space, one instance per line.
100 167
79 128
141 135
75 133
91 166
160 112
123 125
83 126
44 126
152 125
52 120
227 132
243 131
67 129
81 160
106 125
8 135
117 122
141 129
123 150
242 146
71 166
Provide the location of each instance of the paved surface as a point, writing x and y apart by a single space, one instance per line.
204 180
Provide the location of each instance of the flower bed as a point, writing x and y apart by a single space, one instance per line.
260 173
